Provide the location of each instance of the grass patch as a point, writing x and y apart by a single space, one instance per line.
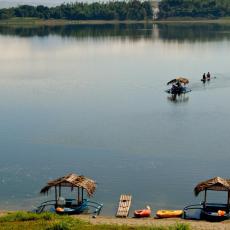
49 221
179 227
20 21
31 22
60 226
27 216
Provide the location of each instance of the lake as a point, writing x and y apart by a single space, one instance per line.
90 100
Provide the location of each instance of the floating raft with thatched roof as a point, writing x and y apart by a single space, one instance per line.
124 206
212 211
215 184
70 206
73 181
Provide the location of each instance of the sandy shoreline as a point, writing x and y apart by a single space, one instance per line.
194 224
151 221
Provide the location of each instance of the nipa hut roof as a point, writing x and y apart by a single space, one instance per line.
216 184
72 180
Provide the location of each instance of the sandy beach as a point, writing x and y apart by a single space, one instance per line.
194 224
150 222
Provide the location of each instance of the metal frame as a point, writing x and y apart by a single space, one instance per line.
203 206
85 204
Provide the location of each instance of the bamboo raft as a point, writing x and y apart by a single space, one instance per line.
124 206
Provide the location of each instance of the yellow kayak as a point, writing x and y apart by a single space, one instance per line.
169 213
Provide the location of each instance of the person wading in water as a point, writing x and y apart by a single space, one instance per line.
208 76
204 77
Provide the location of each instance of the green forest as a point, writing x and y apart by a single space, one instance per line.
114 10
194 8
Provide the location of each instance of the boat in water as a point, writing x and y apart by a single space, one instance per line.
178 91
179 86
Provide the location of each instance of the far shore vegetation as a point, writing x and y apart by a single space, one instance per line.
112 10
49 221
195 9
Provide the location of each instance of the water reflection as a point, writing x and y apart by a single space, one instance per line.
178 99
166 32
194 32
134 31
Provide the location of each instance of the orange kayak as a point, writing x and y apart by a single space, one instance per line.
142 212
169 213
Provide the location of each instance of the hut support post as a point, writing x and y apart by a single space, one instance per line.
82 193
78 195
205 198
55 195
228 204
59 191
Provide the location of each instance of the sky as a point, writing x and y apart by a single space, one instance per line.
10 3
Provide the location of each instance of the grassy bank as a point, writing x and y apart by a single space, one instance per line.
52 22
224 20
49 221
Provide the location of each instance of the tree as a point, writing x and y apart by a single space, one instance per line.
194 8
119 10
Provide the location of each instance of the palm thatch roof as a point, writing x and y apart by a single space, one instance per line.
72 180
216 184
180 79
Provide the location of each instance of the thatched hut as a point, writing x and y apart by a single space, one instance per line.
73 181
214 184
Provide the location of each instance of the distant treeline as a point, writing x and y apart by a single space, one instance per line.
194 8
114 10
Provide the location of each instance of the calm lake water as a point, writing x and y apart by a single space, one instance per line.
91 100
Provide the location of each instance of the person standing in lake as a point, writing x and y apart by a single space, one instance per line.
208 76
204 77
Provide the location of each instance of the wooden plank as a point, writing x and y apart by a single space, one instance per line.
124 205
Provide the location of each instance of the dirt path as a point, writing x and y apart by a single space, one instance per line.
197 225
